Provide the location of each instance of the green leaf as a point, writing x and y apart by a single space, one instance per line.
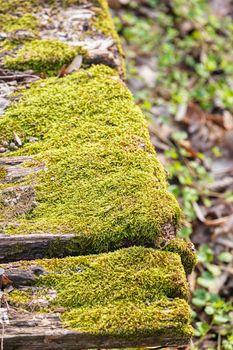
206 280
184 232
209 310
221 319
225 257
205 254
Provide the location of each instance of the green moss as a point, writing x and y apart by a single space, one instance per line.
10 24
19 298
185 250
23 6
3 172
42 56
136 274
103 22
9 6
49 56
130 292
6 45
103 180
162 318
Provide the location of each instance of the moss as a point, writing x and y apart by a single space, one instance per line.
131 292
10 24
3 172
9 6
43 56
103 180
6 45
23 6
162 318
103 22
19 298
186 251
101 279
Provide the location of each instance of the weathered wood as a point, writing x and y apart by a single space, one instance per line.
36 332
78 25
25 192
15 170
28 328
34 246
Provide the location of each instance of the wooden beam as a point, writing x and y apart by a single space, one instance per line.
28 294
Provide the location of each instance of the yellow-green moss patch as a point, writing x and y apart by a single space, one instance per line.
165 317
186 251
42 56
102 178
3 172
23 6
10 24
19 298
11 6
131 292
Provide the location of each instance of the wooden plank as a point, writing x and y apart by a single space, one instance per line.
23 336
35 246
29 328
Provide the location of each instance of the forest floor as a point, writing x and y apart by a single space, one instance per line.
179 67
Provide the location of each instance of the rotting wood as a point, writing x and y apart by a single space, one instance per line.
36 332
34 246
30 329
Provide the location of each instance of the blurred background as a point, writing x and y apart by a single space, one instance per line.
179 58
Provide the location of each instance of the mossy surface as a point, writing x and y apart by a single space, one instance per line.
162 318
104 23
19 298
3 172
102 178
131 292
11 6
186 251
22 6
11 24
43 56
47 56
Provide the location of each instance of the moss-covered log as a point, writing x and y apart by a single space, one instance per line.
79 176
135 296
56 37
77 158
99 174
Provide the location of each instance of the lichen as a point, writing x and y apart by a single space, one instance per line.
43 56
186 251
131 292
103 180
